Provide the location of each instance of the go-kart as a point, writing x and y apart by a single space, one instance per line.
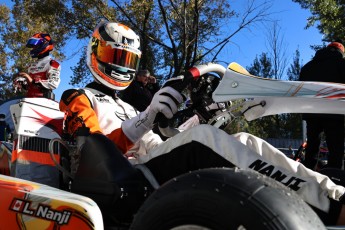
102 190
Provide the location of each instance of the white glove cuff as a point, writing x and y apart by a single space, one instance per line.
138 126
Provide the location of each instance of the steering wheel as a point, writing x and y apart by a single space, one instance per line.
200 81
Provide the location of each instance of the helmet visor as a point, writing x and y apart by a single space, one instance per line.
122 57
33 42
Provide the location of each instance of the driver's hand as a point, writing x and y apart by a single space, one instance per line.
19 83
26 76
152 80
165 101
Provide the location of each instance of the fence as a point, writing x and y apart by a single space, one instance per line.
285 143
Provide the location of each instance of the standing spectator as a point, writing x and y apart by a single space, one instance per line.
328 65
4 128
43 74
140 92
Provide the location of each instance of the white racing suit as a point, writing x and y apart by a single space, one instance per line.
205 146
120 111
250 152
111 111
45 74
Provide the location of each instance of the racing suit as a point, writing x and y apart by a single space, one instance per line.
45 74
202 146
103 112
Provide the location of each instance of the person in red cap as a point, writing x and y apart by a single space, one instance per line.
328 65
44 74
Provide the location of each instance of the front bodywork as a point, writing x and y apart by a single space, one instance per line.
29 205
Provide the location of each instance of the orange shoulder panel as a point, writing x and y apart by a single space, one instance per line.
77 108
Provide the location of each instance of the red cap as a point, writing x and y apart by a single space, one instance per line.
337 45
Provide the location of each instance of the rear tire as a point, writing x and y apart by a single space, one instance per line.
225 199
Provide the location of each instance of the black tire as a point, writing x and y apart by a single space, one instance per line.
225 199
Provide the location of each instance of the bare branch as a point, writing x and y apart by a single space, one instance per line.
247 20
196 23
135 25
277 50
168 31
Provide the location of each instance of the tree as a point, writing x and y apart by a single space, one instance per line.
64 20
175 34
293 122
277 51
5 72
295 68
328 15
262 66
185 33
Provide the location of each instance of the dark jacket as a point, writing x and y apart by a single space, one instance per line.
138 95
328 65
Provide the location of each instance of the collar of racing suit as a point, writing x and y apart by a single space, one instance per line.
99 87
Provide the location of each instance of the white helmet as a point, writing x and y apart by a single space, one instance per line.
113 54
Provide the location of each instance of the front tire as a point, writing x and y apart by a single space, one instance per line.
225 199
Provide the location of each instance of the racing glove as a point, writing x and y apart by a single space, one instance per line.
19 84
165 102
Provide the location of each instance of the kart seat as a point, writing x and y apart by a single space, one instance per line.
107 177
